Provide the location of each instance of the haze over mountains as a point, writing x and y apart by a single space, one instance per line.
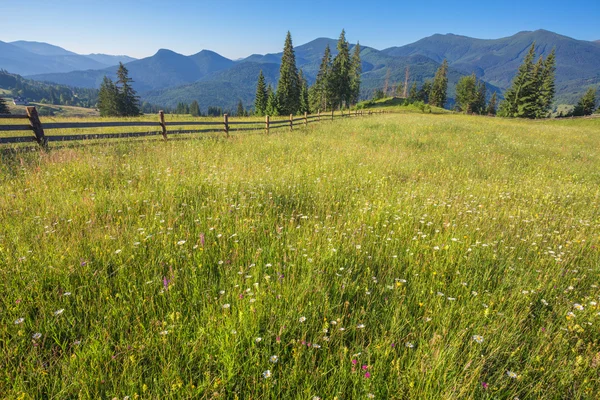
28 58
167 78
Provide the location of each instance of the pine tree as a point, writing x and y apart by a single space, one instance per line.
480 98
260 100
439 88
546 86
3 106
491 108
240 109
587 104
355 71
195 109
288 88
304 103
108 99
272 108
340 74
519 97
321 90
424 94
466 93
129 101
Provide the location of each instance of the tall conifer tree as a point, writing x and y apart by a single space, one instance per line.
260 101
288 88
340 73
355 71
491 108
322 95
108 99
439 88
195 109
129 101
518 97
272 108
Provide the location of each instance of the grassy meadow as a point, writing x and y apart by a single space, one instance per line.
398 256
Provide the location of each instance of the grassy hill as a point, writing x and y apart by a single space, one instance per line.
399 256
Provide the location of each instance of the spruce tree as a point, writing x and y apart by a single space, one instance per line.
466 93
340 74
424 94
491 108
355 71
129 101
288 88
272 108
108 99
260 100
240 109
547 88
439 88
195 109
322 88
587 104
3 106
518 98
480 98
304 102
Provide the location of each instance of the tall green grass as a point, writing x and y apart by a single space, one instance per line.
398 256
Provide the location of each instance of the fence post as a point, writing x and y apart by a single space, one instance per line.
319 114
36 125
291 122
305 119
161 117
332 114
267 124
226 124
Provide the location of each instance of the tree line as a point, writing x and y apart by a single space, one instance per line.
337 84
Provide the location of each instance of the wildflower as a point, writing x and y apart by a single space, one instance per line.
273 359
226 306
485 385
233 332
354 362
163 333
511 374
302 319
360 326
36 336
544 302
258 339
474 293
367 374
221 292
478 338
19 321
365 367
58 312
371 396
267 374
316 398
440 294
570 315
409 345
333 322
66 293
578 306
451 298
181 243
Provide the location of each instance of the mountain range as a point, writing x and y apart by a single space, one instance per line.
28 58
167 77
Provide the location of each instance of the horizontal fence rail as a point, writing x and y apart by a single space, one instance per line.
162 126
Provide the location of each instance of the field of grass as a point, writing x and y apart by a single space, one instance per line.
401 256
57 110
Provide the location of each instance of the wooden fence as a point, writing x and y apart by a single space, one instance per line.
162 127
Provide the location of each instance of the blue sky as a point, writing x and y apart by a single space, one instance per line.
238 28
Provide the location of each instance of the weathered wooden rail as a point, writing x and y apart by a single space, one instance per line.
163 127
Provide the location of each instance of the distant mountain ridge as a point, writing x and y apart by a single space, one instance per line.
29 58
168 77
496 60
